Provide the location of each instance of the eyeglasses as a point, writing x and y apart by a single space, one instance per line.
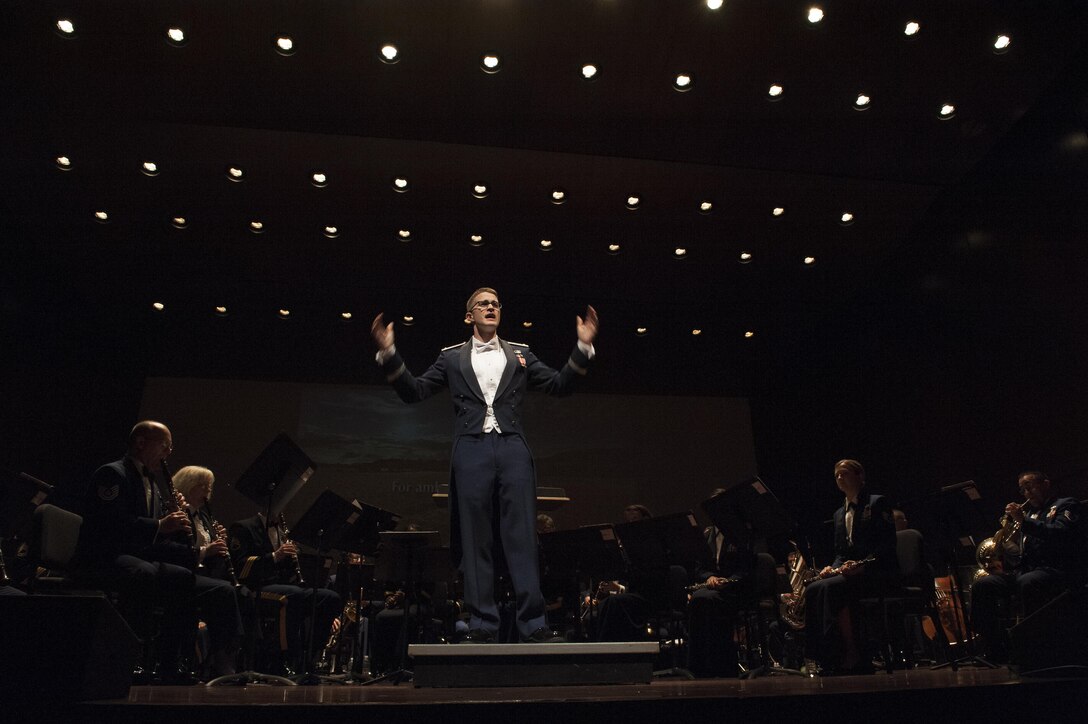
485 303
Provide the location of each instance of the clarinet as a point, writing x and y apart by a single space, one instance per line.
221 534
284 538
173 504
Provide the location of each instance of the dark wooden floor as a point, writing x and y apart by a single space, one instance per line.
921 695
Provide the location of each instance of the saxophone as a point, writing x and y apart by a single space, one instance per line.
800 575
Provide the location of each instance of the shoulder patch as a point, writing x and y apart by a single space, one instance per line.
518 344
109 493
453 346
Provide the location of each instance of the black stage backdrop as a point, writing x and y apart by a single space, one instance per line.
606 451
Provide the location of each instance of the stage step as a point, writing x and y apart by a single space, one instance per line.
493 665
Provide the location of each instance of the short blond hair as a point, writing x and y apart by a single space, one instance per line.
193 476
478 292
852 465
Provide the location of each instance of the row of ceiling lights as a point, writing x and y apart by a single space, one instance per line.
409 320
491 63
557 196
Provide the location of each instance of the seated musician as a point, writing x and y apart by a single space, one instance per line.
864 529
1048 531
131 543
724 579
624 607
265 560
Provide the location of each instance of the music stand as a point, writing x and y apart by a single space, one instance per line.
958 514
276 475
742 513
20 496
411 557
592 552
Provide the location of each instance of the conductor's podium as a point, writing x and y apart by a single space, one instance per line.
495 665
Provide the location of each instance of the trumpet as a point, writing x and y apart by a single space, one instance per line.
285 538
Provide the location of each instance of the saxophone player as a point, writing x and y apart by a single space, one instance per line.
1048 530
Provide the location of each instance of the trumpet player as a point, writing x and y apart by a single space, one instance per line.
864 529
1047 530
266 560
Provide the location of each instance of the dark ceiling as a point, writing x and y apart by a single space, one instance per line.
116 93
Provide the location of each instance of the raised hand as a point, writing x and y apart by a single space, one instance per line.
382 332
587 328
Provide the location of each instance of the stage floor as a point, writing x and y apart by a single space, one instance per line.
920 695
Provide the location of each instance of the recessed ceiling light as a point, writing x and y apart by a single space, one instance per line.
545 244
613 248
319 179
101 217
285 45
66 27
234 173
715 4
558 196
846 219
389 53
400 184
284 313
332 232
589 71
861 103
642 331
221 311
158 306
1002 43
408 320
63 163
404 235
947 111
345 315
479 191
179 222
490 63
775 92
778 210
476 240
633 201
911 29
149 168
175 36
810 260
815 14
679 253
256 226
745 257
527 325
706 206
682 82
749 334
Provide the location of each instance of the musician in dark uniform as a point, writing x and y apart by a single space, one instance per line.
131 544
266 561
1050 538
864 528
488 378
726 576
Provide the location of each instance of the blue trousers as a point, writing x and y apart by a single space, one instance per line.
491 469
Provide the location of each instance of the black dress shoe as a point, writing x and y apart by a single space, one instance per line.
478 636
544 635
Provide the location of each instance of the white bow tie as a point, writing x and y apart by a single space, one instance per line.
478 346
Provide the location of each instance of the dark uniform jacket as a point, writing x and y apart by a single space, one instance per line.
874 534
117 520
1053 536
251 552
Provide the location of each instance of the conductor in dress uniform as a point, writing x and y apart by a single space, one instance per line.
491 464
